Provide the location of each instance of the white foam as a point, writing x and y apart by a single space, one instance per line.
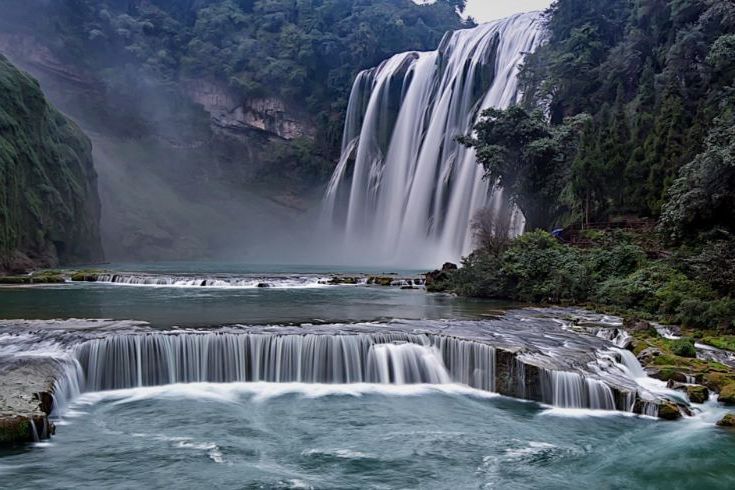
232 392
584 412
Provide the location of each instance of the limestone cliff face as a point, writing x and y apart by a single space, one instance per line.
49 206
268 114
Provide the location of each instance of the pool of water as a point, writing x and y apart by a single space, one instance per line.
166 306
258 435
361 436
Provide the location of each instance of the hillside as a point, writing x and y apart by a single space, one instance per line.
48 187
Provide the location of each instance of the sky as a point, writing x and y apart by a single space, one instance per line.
485 10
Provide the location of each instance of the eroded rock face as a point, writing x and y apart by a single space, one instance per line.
268 114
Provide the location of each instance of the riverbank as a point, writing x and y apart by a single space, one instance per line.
624 273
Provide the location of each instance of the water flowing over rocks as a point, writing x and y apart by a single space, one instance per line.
528 354
405 190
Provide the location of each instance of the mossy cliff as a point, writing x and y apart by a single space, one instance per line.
49 207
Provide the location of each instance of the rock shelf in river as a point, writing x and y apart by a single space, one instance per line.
527 354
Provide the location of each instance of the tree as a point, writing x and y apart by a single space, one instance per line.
529 157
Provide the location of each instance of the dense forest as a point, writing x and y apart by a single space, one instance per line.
213 121
49 209
628 114
305 53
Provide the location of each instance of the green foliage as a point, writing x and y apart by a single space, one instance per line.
614 273
684 347
703 197
528 157
655 77
306 52
49 210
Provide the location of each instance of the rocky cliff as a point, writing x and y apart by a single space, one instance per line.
49 207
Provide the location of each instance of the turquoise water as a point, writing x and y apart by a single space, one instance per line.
306 436
319 436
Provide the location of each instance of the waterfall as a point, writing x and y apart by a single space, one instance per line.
405 191
571 390
126 361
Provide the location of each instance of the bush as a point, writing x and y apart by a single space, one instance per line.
684 348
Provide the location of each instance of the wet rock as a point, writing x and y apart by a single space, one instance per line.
344 280
727 395
25 399
380 280
263 285
636 325
648 355
668 374
727 421
697 393
669 411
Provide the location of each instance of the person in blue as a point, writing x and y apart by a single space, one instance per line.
557 233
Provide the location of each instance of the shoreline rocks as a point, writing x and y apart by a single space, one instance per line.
26 400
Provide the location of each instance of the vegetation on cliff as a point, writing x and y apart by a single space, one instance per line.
49 209
305 53
629 110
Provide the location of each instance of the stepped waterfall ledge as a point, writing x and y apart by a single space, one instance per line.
405 190
523 354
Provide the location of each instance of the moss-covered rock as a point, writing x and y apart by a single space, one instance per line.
669 411
381 280
85 276
697 393
727 421
49 207
727 395
15 429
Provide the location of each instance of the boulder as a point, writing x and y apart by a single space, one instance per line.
669 411
449 267
636 325
697 393
727 395
727 421
648 355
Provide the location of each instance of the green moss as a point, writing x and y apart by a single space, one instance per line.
88 275
14 429
726 342
380 280
727 394
49 209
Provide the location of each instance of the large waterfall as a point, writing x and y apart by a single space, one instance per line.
405 191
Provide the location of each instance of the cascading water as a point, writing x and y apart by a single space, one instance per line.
405 190
127 361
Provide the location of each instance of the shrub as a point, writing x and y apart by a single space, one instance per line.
684 348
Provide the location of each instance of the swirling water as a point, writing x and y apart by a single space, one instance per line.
360 436
364 435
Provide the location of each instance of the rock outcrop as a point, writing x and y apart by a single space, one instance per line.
49 206
26 388
268 114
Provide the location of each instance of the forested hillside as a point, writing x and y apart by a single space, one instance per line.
214 122
49 209
628 114
300 57
658 80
